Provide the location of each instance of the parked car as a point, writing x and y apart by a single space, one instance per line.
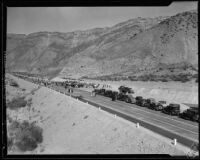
130 99
102 92
150 103
108 93
114 95
123 89
121 96
172 109
160 105
191 114
139 100
144 101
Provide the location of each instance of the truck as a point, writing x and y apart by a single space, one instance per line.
139 100
172 109
191 114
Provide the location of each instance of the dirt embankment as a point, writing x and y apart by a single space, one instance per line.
72 127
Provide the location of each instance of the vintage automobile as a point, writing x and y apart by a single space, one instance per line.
150 103
100 91
108 93
130 99
172 109
139 100
144 101
121 97
114 95
160 105
123 89
191 114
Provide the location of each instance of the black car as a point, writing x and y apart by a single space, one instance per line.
150 103
143 103
121 97
172 109
102 92
109 93
97 91
191 114
139 100
114 95
130 99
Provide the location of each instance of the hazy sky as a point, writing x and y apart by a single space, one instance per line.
27 20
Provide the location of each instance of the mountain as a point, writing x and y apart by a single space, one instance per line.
161 45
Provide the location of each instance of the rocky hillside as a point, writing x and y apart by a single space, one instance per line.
160 46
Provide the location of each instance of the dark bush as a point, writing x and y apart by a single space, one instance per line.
164 80
17 103
14 84
36 133
26 143
27 135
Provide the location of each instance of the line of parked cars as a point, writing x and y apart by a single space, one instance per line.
125 94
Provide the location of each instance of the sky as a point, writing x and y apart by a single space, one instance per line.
26 20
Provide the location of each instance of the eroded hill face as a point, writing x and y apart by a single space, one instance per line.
135 47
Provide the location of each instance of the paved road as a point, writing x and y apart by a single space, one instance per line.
185 131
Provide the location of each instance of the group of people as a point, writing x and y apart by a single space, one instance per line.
106 86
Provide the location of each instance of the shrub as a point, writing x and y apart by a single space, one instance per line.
164 80
17 103
26 143
27 135
14 84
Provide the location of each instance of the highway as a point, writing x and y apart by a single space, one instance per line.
185 131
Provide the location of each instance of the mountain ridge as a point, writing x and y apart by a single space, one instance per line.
131 47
